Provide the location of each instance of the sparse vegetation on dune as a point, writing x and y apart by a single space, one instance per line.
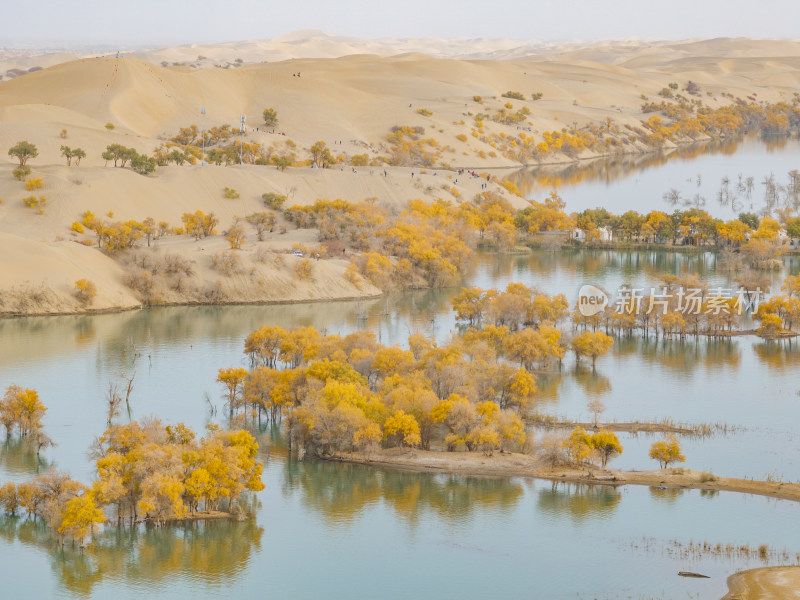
394 244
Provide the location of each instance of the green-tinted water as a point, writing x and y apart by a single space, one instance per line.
324 530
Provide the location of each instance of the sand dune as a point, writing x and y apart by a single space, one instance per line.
354 99
42 277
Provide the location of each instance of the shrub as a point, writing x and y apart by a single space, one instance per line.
352 275
140 280
230 193
214 293
175 264
21 173
282 161
227 263
261 255
273 201
511 187
536 96
143 164
34 202
109 126
303 270
478 99
235 236
77 227
85 291
270 117
34 183
424 112
461 137
514 95
63 134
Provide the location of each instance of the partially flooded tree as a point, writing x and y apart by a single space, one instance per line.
233 379
113 402
593 344
21 408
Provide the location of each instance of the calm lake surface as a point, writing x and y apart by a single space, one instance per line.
324 530
638 182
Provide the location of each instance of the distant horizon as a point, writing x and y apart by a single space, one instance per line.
76 46
151 23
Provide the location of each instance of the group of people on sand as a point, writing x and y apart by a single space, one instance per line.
296 74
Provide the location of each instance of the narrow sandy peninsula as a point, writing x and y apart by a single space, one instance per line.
511 464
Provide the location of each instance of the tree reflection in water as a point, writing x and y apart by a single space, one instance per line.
340 492
211 552
779 355
579 502
19 457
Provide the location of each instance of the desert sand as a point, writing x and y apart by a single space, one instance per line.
510 464
770 583
349 94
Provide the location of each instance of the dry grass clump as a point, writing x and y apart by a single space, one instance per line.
227 263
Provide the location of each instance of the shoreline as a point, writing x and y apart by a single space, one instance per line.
507 464
624 426
764 583
123 309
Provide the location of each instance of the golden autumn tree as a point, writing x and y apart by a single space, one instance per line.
233 379
577 445
80 517
403 427
606 444
21 408
593 344
667 451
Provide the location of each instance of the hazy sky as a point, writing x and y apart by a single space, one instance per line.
167 22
